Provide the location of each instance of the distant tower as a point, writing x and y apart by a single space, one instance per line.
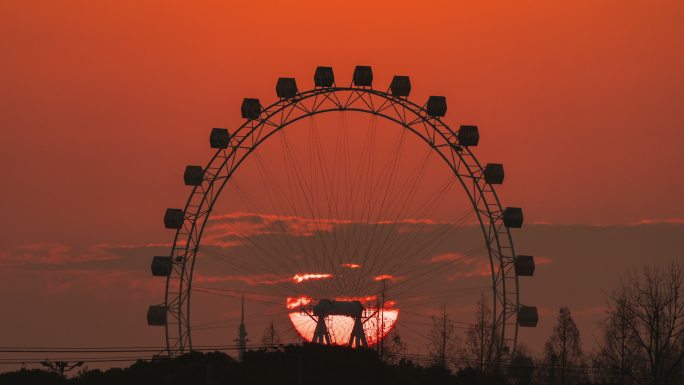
242 332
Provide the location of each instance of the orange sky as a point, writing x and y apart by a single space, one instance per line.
106 101
103 103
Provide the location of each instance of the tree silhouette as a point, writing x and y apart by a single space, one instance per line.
270 338
443 340
648 310
562 352
478 342
522 367
395 347
61 367
619 354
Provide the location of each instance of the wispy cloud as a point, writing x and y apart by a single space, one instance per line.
242 224
299 278
34 254
447 257
653 221
477 268
249 279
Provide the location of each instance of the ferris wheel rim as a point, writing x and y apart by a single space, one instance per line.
182 300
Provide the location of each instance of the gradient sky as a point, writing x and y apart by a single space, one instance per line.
102 104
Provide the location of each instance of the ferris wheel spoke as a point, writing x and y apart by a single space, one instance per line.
396 222
410 301
319 158
416 297
414 245
275 288
295 204
341 181
423 265
296 185
279 210
323 223
421 275
411 242
309 201
265 258
393 227
420 278
358 186
268 248
387 179
259 252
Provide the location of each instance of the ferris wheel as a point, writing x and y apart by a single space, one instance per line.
332 213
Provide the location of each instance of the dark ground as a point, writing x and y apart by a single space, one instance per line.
308 364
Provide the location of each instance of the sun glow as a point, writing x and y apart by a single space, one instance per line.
297 302
376 324
340 326
383 277
299 278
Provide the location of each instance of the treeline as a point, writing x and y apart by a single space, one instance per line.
642 341
292 364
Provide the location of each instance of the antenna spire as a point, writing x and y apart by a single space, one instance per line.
242 332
